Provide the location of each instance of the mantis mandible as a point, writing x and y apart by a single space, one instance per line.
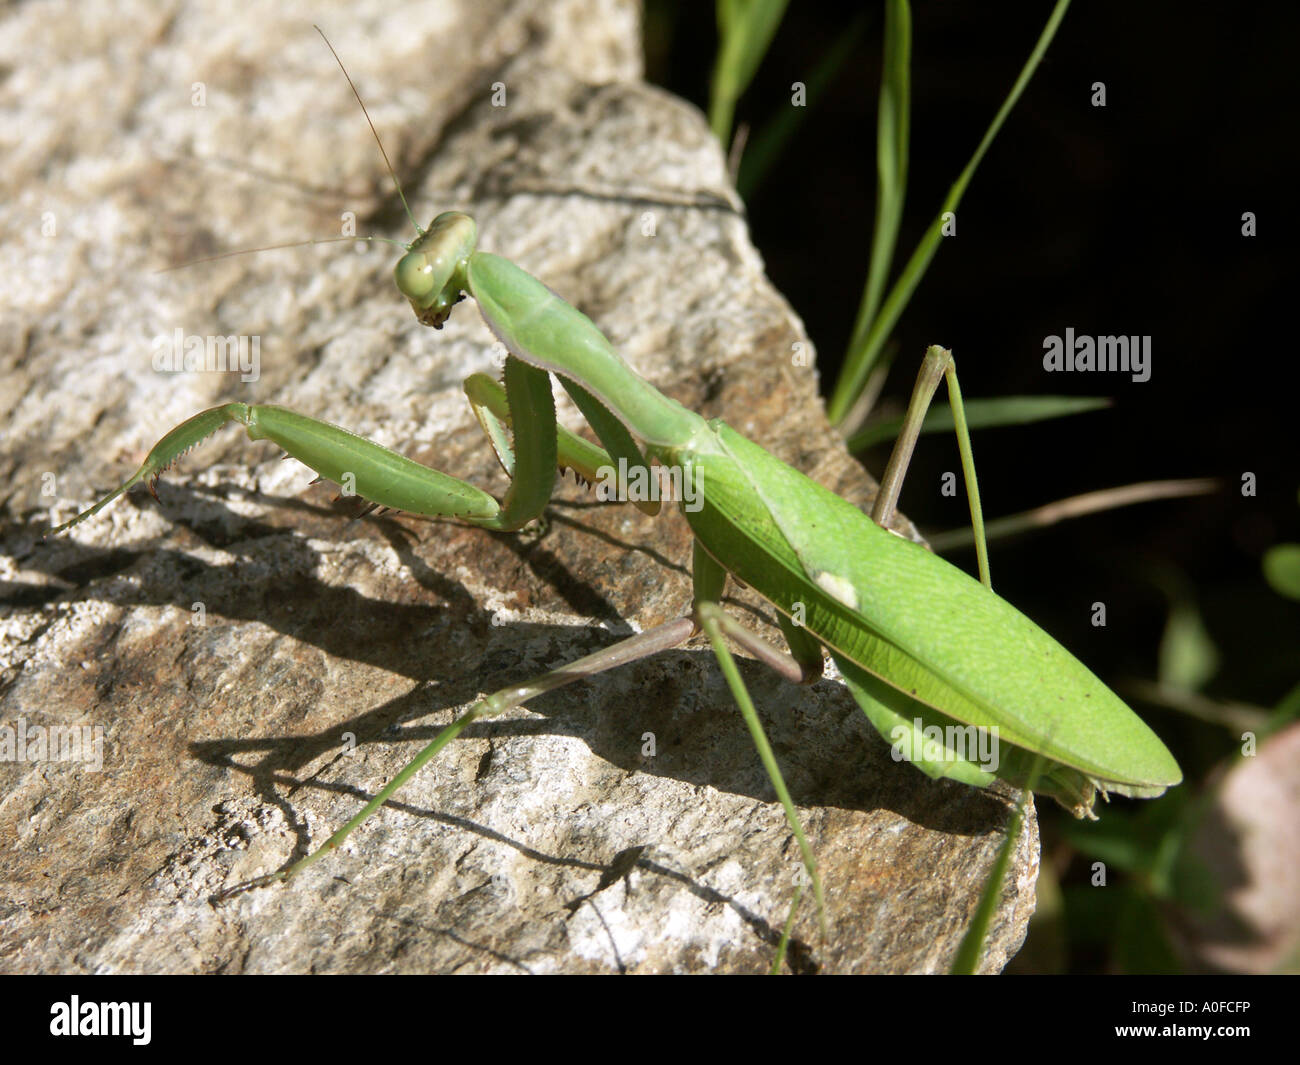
921 645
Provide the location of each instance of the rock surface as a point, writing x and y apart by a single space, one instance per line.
257 663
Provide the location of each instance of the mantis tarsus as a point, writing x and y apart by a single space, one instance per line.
919 643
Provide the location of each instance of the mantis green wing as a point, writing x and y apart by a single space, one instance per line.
933 638
914 634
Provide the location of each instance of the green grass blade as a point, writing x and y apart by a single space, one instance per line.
966 962
863 348
745 30
784 945
893 126
982 414
767 145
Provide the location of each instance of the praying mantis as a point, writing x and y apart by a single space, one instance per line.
920 645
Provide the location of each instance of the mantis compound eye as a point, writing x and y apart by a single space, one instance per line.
415 276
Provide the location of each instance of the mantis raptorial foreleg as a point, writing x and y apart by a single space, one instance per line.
387 479
491 407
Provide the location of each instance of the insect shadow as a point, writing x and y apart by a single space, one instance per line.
677 701
834 758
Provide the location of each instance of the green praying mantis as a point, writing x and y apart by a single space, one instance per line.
926 650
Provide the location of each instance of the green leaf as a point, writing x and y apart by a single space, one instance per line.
1282 569
982 414
893 125
745 30
1188 657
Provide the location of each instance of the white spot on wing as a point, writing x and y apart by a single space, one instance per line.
838 589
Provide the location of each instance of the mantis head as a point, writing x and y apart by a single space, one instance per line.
432 272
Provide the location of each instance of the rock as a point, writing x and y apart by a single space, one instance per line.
257 663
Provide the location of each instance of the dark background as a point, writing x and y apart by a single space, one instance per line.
1117 220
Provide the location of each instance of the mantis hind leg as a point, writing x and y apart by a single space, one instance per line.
716 626
938 364
710 579
642 645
